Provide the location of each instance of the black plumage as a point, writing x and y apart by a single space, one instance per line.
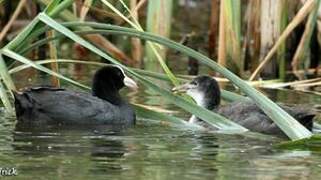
57 106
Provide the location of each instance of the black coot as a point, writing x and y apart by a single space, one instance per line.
206 93
56 106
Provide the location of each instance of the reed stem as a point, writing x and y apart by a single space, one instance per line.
304 11
159 16
303 47
53 55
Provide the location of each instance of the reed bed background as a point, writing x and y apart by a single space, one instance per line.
252 38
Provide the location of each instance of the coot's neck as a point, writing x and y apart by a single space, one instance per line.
208 103
112 97
106 91
207 98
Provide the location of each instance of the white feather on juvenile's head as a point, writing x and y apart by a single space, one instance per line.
197 95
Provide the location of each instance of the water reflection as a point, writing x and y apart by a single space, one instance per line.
149 152
106 154
153 151
45 141
71 145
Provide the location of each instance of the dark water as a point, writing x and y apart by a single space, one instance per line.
152 151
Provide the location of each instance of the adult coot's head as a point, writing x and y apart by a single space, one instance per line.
108 81
204 90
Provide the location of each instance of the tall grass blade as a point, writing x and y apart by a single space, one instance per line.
55 8
4 75
289 125
138 27
47 61
146 113
208 116
24 60
98 40
134 25
17 41
5 99
52 5
226 95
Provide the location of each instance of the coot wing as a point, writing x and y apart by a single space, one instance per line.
59 106
249 115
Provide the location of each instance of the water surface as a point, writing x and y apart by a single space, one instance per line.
152 150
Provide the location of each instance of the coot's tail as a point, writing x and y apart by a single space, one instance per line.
307 120
302 113
23 105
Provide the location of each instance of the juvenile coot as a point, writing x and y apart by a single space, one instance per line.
206 93
56 106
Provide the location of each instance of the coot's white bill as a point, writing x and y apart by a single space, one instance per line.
130 83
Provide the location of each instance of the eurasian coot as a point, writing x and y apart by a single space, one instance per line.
206 93
57 106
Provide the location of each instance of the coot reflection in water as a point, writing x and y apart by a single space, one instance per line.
98 143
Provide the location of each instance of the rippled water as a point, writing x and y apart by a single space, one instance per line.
153 151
